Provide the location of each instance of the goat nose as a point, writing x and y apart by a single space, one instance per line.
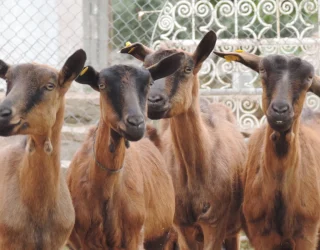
280 107
135 120
155 98
5 112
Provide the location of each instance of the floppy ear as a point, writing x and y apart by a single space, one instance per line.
72 68
137 50
89 76
3 69
204 49
315 86
250 60
166 66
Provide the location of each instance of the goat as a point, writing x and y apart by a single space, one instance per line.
205 152
123 195
36 210
282 175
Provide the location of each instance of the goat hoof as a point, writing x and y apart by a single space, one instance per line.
48 146
30 146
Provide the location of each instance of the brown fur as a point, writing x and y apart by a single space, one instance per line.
120 210
36 211
281 184
204 151
134 207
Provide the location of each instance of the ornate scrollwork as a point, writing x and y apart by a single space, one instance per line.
262 27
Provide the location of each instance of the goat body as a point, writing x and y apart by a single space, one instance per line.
205 155
134 204
282 195
36 210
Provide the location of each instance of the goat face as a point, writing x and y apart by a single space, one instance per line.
173 95
34 95
123 93
285 82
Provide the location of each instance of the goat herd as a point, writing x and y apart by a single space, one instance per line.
194 185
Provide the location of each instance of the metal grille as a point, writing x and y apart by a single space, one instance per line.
48 31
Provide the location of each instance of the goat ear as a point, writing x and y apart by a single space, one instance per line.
89 76
166 66
250 60
137 50
3 69
315 86
204 49
72 68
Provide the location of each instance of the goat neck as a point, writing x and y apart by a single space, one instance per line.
282 151
109 149
41 170
189 137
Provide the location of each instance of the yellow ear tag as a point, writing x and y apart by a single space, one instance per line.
239 50
129 44
132 49
230 58
83 71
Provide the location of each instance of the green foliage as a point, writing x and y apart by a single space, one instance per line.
126 23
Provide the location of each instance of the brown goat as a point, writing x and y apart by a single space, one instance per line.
123 195
204 151
282 174
36 210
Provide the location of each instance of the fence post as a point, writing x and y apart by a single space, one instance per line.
96 33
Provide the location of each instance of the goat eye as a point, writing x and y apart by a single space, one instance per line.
102 86
187 69
310 78
50 86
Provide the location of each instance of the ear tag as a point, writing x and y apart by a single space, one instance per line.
83 71
230 58
239 50
128 44
132 49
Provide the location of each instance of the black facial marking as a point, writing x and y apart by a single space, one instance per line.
113 89
292 71
33 99
118 78
279 211
275 67
175 84
175 78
